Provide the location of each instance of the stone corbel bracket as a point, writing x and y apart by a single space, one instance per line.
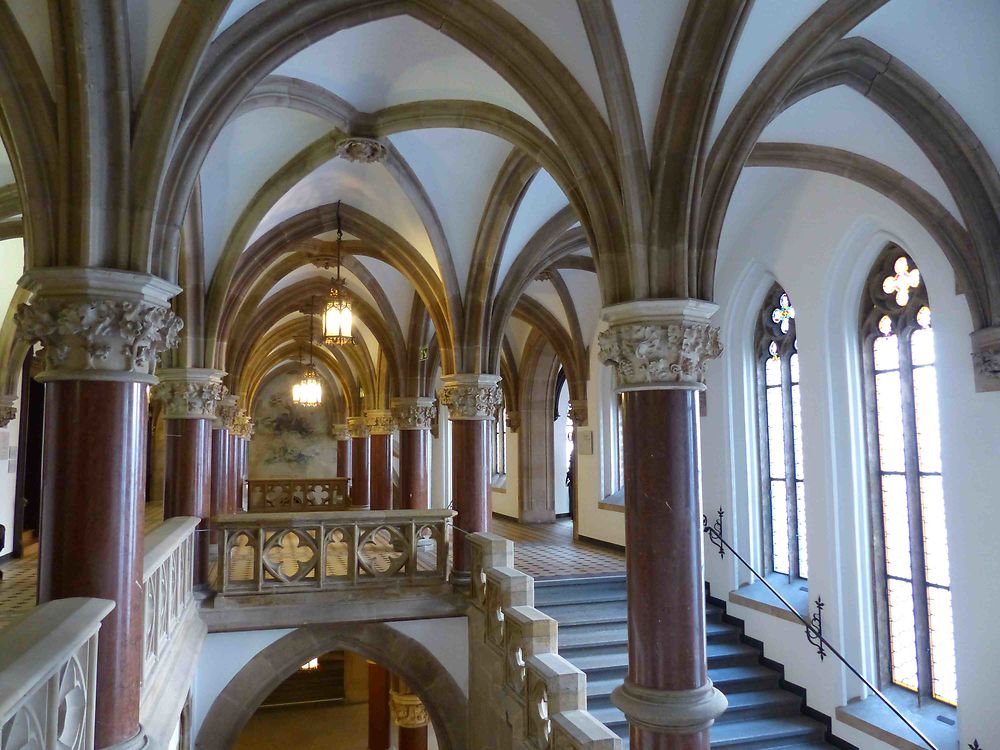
659 344
986 358
98 323
8 412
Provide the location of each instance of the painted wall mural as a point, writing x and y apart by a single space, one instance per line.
290 442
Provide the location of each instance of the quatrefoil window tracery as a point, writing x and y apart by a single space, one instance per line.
287 554
783 314
902 281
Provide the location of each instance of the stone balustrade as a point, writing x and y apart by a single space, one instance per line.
523 695
296 552
48 675
167 588
292 495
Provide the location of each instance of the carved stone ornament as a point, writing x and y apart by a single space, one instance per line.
667 350
98 324
339 432
471 397
408 711
986 358
190 393
226 413
380 422
514 421
360 149
578 412
8 412
357 427
242 425
414 413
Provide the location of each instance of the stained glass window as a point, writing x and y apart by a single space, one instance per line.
912 580
780 417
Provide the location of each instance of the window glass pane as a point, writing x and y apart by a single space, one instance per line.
620 437
886 352
897 526
902 644
776 433
925 398
779 527
935 538
800 519
793 363
889 408
942 645
772 371
922 347
797 431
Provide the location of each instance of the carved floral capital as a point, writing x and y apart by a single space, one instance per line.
514 421
357 428
471 397
986 358
667 349
408 711
98 324
8 412
414 413
190 393
226 412
380 422
578 412
339 432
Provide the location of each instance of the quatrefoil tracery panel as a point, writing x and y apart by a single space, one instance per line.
338 552
242 557
290 555
382 551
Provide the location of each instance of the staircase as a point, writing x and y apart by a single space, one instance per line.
593 636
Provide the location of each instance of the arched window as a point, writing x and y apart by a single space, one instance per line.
500 440
619 437
912 584
780 426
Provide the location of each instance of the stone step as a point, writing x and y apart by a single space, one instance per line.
615 633
727 679
755 704
616 657
766 733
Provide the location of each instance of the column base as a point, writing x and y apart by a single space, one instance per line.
670 711
139 741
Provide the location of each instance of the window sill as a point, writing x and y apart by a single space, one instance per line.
756 596
874 718
615 501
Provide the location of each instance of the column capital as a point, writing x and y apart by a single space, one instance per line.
339 432
659 343
8 412
98 323
380 421
670 711
357 427
189 392
578 412
407 710
986 358
414 413
225 413
242 426
470 396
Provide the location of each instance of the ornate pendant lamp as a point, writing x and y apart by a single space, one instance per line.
337 317
309 390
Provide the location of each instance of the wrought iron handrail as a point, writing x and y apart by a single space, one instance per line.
813 632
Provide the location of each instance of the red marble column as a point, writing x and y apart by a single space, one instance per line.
413 417
380 426
234 492
360 464
378 707
667 696
472 401
220 469
409 715
343 439
101 331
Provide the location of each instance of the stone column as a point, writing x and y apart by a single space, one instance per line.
410 716
343 438
360 464
102 331
414 417
380 427
658 349
378 707
472 402
223 458
190 397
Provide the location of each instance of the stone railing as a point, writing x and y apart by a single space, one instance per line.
295 552
48 670
167 588
522 694
293 495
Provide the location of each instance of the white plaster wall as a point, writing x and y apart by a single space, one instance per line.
819 237
11 267
505 496
559 457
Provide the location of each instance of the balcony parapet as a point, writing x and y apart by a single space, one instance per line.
519 686
341 551
292 495
48 675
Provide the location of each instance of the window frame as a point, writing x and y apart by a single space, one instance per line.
875 304
766 331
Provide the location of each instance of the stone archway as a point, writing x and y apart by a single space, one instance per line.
397 652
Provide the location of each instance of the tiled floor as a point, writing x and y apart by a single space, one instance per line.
549 550
20 577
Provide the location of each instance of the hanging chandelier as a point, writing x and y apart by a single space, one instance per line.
337 317
309 390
